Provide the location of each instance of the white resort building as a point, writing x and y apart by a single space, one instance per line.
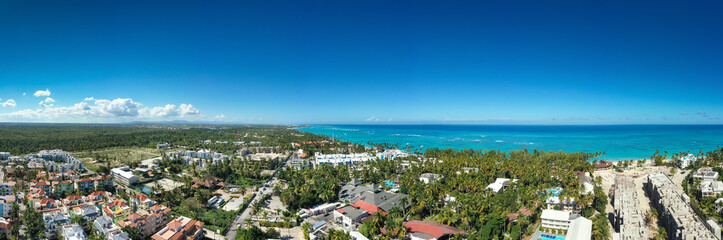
341 159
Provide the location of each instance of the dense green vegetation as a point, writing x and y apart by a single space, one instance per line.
479 212
309 187
255 233
29 138
33 223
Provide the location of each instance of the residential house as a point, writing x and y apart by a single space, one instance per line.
705 173
500 184
429 177
116 209
73 200
709 188
425 230
98 196
181 228
89 213
73 232
142 201
105 226
40 184
54 222
118 236
47 203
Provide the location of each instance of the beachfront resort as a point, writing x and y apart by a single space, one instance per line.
326 189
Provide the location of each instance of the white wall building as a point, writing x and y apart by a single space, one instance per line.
577 227
705 174
124 175
73 232
392 154
687 161
341 159
500 184
555 219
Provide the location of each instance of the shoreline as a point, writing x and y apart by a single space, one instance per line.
619 143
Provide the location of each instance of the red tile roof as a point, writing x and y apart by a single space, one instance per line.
603 164
74 197
98 193
141 197
370 208
174 224
434 229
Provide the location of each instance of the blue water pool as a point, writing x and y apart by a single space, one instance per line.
390 183
550 237
553 192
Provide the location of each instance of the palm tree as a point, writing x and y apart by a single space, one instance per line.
661 234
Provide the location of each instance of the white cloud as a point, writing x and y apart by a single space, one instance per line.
41 93
376 119
89 99
220 117
100 110
25 94
189 110
46 103
171 110
119 107
9 103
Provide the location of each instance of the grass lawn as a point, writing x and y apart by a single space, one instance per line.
118 156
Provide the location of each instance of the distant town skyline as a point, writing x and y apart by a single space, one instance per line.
362 62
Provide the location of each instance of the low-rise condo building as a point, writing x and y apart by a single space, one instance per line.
124 175
341 159
573 226
629 221
674 210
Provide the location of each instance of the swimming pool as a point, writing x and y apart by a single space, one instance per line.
390 183
554 192
550 237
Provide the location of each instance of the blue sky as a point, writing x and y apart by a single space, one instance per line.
470 62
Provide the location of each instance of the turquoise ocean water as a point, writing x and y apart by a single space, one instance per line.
619 142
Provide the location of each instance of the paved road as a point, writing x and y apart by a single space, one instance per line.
246 213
